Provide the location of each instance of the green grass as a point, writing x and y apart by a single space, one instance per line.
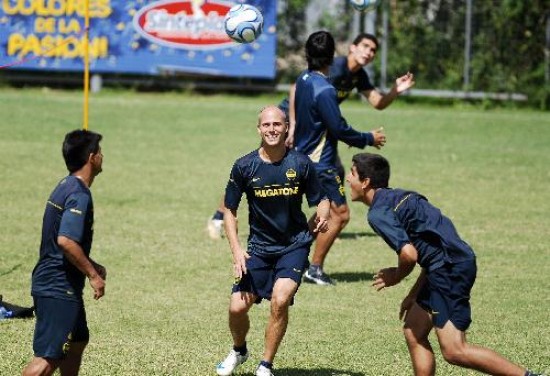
167 158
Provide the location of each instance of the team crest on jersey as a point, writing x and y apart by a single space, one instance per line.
290 174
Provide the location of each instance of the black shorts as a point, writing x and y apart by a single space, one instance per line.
58 323
263 271
332 185
446 294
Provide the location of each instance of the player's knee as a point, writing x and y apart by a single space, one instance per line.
280 303
39 367
454 356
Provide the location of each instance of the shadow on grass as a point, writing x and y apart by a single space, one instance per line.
356 235
352 277
314 372
14 268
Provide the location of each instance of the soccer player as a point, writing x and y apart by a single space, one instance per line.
419 233
319 127
61 332
345 74
274 180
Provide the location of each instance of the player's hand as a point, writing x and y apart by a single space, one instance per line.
379 137
406 305
98 285
239 264
321 224
289 142
100 269
385 278
404 82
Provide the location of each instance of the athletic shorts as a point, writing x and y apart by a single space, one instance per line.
263 271
341 171
58 323
333 185
446 294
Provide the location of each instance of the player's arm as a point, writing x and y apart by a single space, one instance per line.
388 277
76 256
331 115
381 100
231 231
409 300
289 142
322 215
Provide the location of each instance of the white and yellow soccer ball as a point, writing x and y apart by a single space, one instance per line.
244 23
364 5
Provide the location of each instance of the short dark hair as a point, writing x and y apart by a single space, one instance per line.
320 49
368 36
77 147
372 166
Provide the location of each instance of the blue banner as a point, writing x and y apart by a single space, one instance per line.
136 36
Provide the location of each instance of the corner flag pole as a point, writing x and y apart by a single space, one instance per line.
86 63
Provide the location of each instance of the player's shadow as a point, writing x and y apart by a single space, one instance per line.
356 235
351 277
316 372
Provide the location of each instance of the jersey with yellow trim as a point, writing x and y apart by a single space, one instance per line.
274 192
69 212
403 217
343 80
319 122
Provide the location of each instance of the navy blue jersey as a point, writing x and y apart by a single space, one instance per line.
343 80
403 217
274 193
319 122
70 213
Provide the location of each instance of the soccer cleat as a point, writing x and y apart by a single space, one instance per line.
230 364
317 276
263 371
215 228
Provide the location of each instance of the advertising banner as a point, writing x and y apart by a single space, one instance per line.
134 37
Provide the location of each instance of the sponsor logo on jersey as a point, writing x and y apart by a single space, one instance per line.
273 192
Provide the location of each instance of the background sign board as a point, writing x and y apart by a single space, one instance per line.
136 36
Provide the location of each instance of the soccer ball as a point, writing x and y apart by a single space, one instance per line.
243 23
364 5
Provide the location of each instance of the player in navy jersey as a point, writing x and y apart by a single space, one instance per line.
346 74
274 180
418 232
319 127
61 332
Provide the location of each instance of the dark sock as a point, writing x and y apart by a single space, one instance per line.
218 215
241 349
266 364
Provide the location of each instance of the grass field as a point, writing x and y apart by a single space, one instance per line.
167 158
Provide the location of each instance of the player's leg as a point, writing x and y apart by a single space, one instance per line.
55 323
288 270
283 292
80 336
457 351
71 364
418 324
40 367
239 324
339 217
214 225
